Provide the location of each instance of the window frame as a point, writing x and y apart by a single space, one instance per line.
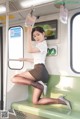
22 51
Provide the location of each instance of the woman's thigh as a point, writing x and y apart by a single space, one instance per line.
26 75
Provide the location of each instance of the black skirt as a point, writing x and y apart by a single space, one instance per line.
40 73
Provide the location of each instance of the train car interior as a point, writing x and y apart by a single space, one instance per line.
61 20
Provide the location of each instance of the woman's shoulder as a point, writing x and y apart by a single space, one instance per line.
44 42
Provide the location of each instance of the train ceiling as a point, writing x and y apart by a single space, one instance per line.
18 13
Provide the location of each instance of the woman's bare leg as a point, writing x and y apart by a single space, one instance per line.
26 78
23 78
43 101
25 75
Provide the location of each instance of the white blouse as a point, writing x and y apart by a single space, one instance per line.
39 57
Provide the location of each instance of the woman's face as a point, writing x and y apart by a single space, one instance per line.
38 36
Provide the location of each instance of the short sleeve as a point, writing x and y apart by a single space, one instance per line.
42 47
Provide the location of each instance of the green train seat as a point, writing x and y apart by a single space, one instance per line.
58 85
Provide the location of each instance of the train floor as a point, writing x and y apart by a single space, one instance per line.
10 117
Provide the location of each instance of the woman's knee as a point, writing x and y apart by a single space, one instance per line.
13 79
35 101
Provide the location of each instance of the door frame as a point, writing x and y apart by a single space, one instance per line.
1 58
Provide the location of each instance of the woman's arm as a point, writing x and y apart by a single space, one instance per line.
31 48
30 21
26 59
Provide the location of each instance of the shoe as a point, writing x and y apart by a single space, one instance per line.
67 102
45 87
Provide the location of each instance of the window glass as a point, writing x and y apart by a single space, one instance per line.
75 43
15 47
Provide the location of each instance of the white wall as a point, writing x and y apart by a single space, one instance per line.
59 64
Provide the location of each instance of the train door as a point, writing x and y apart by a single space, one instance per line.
1 68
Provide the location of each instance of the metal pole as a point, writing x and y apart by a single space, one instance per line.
6 57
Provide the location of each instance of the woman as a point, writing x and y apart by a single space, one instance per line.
39 75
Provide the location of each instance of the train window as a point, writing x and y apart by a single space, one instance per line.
15 47
75 43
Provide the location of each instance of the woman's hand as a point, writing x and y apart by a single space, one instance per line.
30 20
20 59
